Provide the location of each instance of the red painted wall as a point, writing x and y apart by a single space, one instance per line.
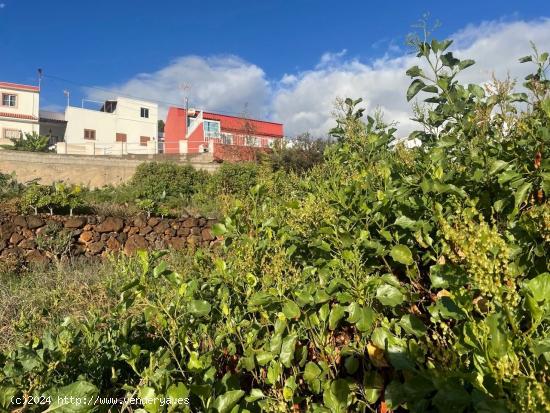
196 139
174 130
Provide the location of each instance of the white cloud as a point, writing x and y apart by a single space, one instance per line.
304 101
224 83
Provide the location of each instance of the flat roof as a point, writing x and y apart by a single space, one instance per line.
18 86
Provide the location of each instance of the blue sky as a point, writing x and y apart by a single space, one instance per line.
268 45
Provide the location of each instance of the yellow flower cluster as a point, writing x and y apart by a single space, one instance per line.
485 255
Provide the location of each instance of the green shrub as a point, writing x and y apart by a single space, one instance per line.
153 179
56 197
31 142
234 178
36 197
298 155
386 278
9 187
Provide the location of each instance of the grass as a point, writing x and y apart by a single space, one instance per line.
35 298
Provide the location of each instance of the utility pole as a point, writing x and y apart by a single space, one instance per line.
68 95
39 77
186 87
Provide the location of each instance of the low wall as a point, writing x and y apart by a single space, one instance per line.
36 238
87 170
236 153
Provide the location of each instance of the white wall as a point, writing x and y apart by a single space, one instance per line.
126 119
27 104
22 125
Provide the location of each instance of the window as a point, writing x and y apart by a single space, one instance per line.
121 137
211 129
144 112
143 140
252 141
9 99
12 134
89 134
227 138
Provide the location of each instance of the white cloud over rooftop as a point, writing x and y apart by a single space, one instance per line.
303 101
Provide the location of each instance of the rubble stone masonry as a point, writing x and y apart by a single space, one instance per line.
39 238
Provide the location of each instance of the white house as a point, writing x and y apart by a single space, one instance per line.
121 126
19 112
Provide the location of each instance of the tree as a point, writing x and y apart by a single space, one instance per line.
32 142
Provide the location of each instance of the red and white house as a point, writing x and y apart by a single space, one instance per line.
19 113
229 138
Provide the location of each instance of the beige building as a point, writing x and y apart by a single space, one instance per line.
18 111
121 126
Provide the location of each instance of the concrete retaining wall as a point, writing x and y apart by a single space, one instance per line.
87 170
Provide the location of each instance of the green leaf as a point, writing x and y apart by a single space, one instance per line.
451 397
447 308
430 89
521 194
362 317
413 325
449 60
466 63
264 357
540 287
6 395
255 394
199 308
416 86
438 46
497 166
336 314
287 350
273 372
312 371
291 310
61 398
405 222
177 391
402 254
218 229
525 59
389 295
225 402
476 90
335 397
414 71
260 299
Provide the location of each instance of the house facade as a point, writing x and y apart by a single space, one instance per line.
19 111
225 137
121 126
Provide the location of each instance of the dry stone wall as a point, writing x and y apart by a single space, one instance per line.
38 238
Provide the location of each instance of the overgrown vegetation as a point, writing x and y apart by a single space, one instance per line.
31 142
386 278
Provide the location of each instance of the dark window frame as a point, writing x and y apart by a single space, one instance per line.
89 134
15 97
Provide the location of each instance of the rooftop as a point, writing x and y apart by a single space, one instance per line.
17 86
